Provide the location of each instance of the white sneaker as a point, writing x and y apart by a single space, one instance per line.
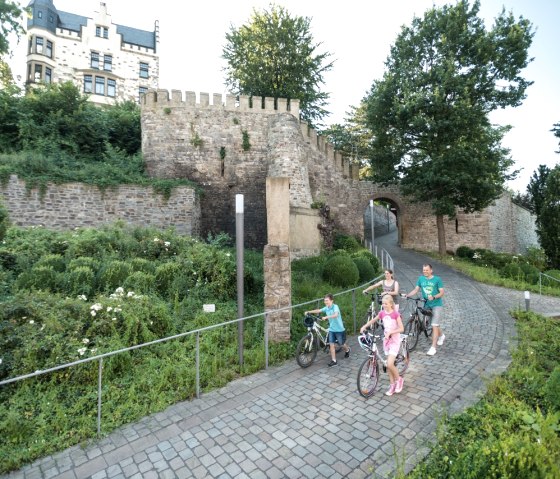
431 351
441 339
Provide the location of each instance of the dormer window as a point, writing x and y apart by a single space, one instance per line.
101 32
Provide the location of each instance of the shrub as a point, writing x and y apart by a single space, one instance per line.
346 243
365 253
140 282
165 275
554 273
84 261
142 264
54 261
513 271
80 280
552 389
464 252
536 257
531 272
114 275
341 271
40 278
4 221
365 269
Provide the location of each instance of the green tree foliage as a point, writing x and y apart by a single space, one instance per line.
535 188
556 130
548 218
9 23
429 114
353 139
273 55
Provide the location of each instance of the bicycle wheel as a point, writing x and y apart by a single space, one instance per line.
306 350
368 376
412 328
403 357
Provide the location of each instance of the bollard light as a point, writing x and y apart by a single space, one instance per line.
239 228
372 228
527 300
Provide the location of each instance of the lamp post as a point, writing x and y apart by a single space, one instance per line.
372 228
388 229
239 254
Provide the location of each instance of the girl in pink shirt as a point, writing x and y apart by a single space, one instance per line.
393 326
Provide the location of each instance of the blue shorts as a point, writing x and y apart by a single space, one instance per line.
338 337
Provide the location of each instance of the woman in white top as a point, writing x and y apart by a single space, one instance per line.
389 284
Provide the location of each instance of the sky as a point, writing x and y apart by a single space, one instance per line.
358 34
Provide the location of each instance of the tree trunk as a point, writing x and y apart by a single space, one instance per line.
441 235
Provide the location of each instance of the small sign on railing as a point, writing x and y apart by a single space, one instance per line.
209 308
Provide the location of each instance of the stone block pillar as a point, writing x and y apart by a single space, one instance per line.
277 266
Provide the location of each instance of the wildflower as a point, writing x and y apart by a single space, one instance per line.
167 243
82 351
0 360
82 296
93 313
31 321
156 240
42 327
130 294
119 290
113 319
85 340
93 350
109 309
96 307
118 310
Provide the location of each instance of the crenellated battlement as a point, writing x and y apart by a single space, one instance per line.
162 99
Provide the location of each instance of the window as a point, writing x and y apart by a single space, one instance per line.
99 86
38 73
101 32
144 70
38 44
40 14
111 87
141 91
30 45
48 75
88 84
108 63
49 49
95 60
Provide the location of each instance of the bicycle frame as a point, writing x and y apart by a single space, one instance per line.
419 322
368 373
316 336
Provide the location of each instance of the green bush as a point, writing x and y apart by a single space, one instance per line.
346 243
114 274
531 273
365 269
4 220
552 389
512 271
54 261
464 252
80 281
341 271
40 278
365 253
554 273
140 282
165 276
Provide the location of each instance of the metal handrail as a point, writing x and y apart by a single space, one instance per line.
548 276
197 332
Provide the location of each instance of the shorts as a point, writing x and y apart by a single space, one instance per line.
436 315
337 336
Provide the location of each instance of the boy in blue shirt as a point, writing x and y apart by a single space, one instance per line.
336 327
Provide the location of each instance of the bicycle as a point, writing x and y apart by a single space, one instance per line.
317 337
368 374
420 321
373 311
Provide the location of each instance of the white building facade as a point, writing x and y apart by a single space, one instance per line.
108 62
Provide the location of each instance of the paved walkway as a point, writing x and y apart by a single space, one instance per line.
287 422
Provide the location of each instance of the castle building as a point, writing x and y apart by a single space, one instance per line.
108 62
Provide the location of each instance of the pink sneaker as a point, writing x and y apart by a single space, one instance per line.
391 389
399 384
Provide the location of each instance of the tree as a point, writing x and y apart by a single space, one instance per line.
274 55
556 130
535 188
429 113
9 23
548 218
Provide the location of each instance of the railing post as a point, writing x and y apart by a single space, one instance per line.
99 380
354 307
266 340
198 364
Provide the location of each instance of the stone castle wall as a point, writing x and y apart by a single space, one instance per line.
77 205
